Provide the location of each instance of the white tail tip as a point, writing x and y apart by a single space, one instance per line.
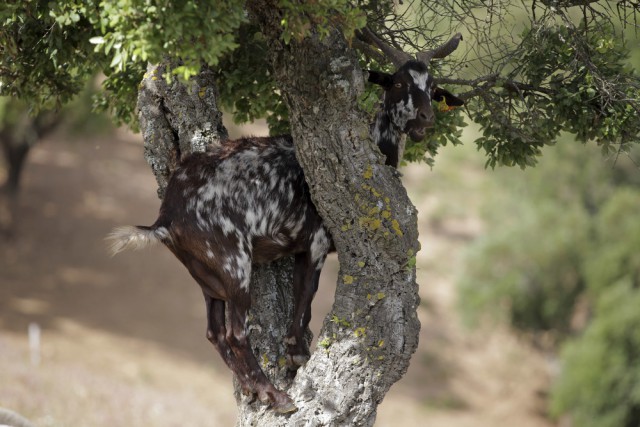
130 237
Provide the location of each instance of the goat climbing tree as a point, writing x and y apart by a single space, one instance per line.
528 70
364 337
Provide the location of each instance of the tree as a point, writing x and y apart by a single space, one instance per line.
297 63
19 132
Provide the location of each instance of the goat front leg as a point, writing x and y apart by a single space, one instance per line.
238 340
305 284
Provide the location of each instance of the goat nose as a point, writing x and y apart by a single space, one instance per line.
426 118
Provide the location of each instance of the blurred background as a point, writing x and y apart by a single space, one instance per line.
529 284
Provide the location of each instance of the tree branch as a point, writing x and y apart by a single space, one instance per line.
489 81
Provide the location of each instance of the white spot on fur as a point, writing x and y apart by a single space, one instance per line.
243 270
191 203
209 191
319 248
295 227
227 226
403 112
251 219
419 79
202 222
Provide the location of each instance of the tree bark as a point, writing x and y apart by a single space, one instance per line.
372 331
368 338
175 119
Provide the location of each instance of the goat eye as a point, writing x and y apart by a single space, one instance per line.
398 85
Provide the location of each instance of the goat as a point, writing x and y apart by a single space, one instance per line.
246 201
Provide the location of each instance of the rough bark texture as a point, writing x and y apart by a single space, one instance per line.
177 120
369 336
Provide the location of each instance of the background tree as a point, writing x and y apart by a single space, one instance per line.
530 70
19 132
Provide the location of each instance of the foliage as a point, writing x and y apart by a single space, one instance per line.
299 17
567 243
525 276
447 129
46 55
582 88
547 245
600 384
615 255
566 71
247 87
534 69
52 48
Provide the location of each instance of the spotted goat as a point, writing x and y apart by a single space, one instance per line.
246 201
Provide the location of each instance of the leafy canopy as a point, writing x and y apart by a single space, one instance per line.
566 68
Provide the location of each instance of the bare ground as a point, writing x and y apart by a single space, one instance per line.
123 339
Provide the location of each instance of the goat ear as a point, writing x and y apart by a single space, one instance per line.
383 79
450 99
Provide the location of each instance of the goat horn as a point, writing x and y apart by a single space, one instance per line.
440 52
398 57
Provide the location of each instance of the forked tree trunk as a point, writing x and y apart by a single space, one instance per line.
372 330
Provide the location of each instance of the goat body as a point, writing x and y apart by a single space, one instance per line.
243 202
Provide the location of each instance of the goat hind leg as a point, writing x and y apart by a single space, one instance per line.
238 340
216 334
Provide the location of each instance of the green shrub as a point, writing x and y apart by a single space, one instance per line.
600 382
528 272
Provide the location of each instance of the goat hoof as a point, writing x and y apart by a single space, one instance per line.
286 406
286 409
280 401
300 359
294 361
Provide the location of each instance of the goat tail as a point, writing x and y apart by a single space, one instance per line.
134 237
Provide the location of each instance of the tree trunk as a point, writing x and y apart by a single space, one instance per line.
18 134
176 120
368 338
